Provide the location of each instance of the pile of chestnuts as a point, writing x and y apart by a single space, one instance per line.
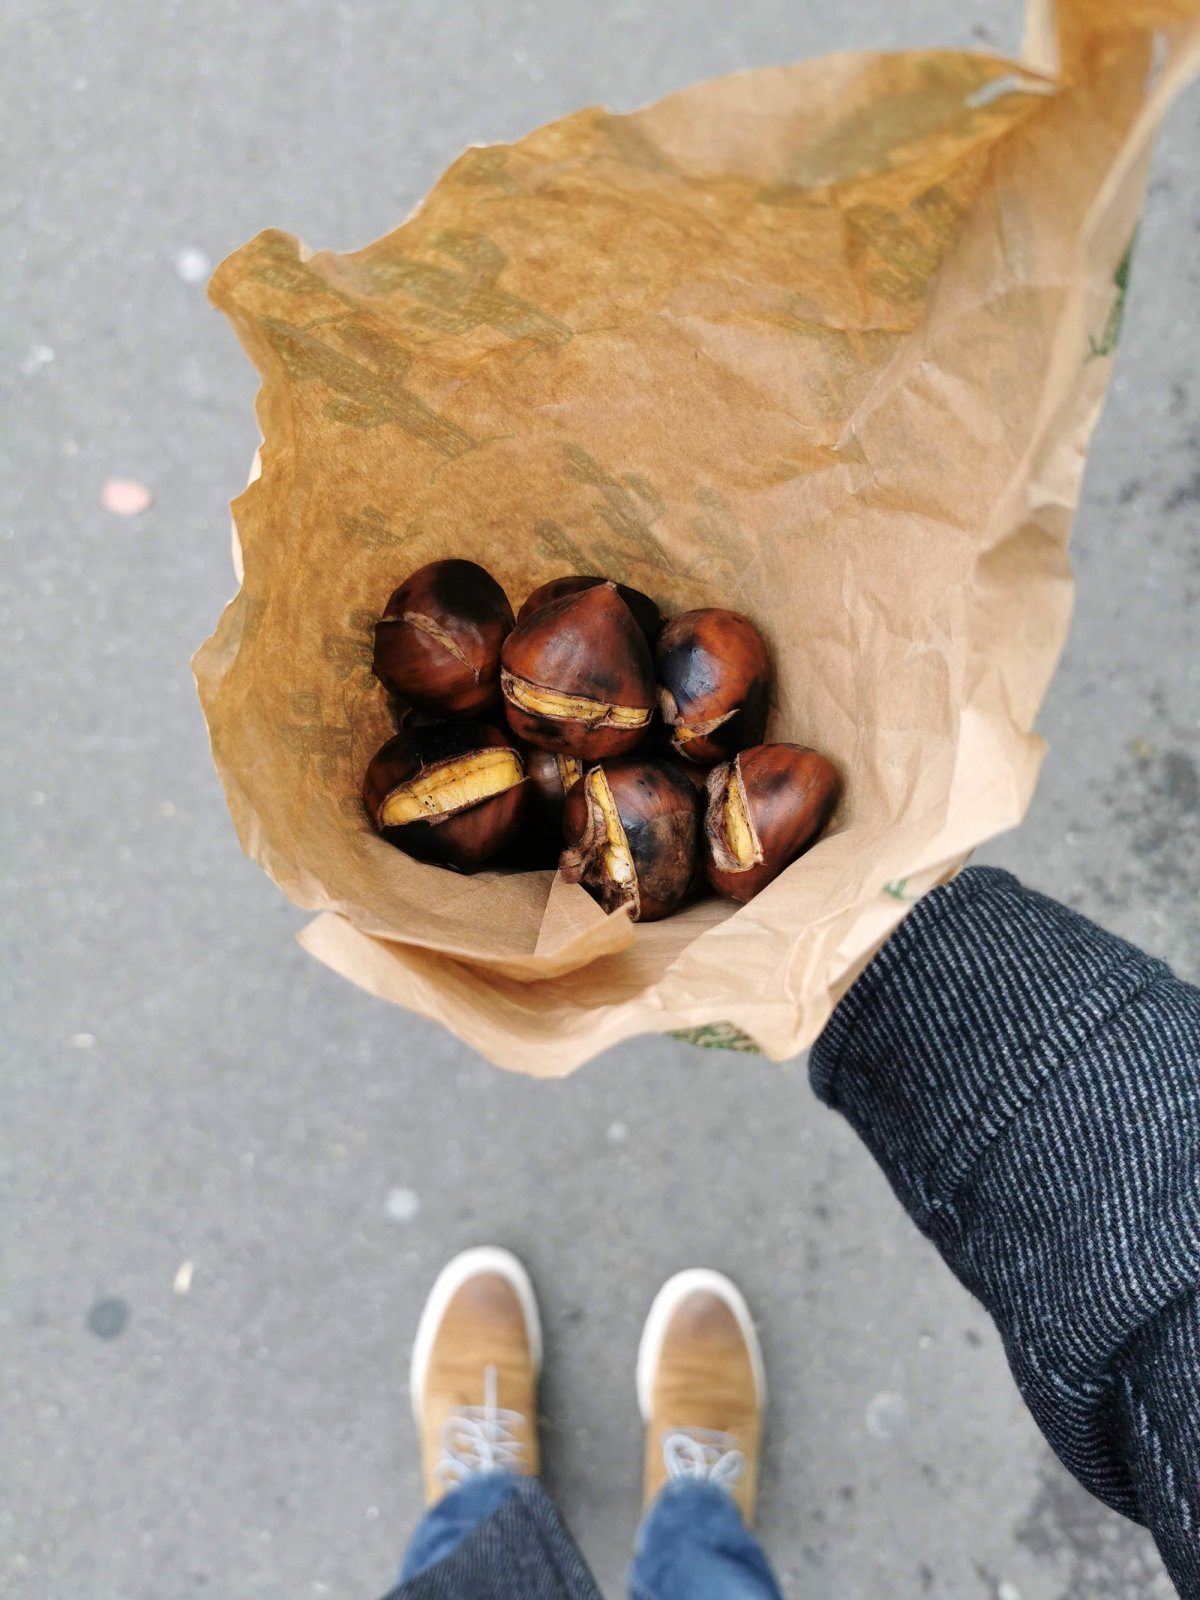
589 730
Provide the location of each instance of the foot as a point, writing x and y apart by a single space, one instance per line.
475 1367
701 1388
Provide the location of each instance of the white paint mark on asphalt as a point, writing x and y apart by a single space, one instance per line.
401 1205
83 1041
886 1415
39 356
183 1278
192 265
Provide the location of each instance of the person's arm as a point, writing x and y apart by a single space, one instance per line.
1031 1087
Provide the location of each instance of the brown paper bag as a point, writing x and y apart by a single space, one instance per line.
824 343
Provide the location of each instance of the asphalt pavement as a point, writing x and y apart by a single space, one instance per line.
227 1177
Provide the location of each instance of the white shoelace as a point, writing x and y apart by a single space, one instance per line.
481 1438
704 1456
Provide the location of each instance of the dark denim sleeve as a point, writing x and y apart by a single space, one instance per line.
1031 1087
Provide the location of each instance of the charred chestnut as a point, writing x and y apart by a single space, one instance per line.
714 677
765 807
645 613
577 676
451 794
631 829
437 644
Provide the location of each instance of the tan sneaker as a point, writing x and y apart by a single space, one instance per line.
701 1388
475 1368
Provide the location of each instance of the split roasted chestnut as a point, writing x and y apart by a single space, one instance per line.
765 807
437 644
714 677
577 676
645 613
631 830
451 794
552 776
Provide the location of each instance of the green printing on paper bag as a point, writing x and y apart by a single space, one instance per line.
1107 342
717 1036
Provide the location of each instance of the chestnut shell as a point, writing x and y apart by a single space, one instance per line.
465 839
588 645
542 768
645 613
455 668
790 795
659 812
714 673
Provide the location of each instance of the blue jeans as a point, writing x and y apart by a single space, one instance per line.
692 1544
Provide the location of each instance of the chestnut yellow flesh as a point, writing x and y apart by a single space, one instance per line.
570 770
740 837
618 858
540 702
441 791
682 732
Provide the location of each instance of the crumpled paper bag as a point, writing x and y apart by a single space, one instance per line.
823 343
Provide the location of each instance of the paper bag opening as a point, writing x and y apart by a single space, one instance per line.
823 343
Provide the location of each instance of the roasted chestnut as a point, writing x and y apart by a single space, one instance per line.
631 829
714 677
437 644
645 613
696 776
577 676
452 794
765 807
552 776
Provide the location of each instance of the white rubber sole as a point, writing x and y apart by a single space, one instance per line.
666 1301
471 1264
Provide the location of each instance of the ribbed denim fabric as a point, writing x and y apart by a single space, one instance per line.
521 1552
458 1513
1031 1087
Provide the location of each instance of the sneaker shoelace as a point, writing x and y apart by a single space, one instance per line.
703 1456
481 1438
